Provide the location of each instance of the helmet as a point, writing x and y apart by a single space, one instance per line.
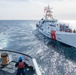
20 58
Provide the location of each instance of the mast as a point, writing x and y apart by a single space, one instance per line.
48 12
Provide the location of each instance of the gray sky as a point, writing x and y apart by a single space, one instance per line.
34 9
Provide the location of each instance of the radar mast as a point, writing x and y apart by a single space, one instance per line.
48 12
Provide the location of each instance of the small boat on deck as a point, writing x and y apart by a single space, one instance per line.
10 69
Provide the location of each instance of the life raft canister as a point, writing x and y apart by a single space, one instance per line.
53 34
21 65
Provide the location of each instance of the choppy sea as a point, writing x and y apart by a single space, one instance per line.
53 58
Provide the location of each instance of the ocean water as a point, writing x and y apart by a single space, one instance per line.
53 58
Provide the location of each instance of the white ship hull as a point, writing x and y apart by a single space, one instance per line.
64 37
67 38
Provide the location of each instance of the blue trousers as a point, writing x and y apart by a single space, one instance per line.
20 71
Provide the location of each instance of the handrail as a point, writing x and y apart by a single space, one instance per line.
36 67
16 52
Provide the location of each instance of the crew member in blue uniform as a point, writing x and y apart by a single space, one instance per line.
21 66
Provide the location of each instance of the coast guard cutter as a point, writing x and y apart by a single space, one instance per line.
56 29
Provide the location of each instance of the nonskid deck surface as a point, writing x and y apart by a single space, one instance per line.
31 72
10 69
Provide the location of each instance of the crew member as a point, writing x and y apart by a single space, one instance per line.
21 66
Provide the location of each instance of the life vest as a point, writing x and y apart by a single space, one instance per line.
21 65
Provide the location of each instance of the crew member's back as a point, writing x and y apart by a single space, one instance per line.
21 66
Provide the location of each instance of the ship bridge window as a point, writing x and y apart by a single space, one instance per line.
57 24
53 21
52 25
43 22
48 21
42 19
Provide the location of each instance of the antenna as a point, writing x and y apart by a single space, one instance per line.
48 12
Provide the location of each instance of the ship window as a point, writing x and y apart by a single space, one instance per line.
43 22
52 25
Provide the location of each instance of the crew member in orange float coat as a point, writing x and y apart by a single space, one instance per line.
21 66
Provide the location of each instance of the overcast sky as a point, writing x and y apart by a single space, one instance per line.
34 9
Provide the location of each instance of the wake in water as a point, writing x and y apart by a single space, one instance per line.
3 40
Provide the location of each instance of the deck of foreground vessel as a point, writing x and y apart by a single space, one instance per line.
10 69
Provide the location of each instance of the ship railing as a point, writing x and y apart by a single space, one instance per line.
67 29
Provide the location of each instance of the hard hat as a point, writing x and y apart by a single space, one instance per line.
20 58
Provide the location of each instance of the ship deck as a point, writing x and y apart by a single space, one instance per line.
31 72
10 69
